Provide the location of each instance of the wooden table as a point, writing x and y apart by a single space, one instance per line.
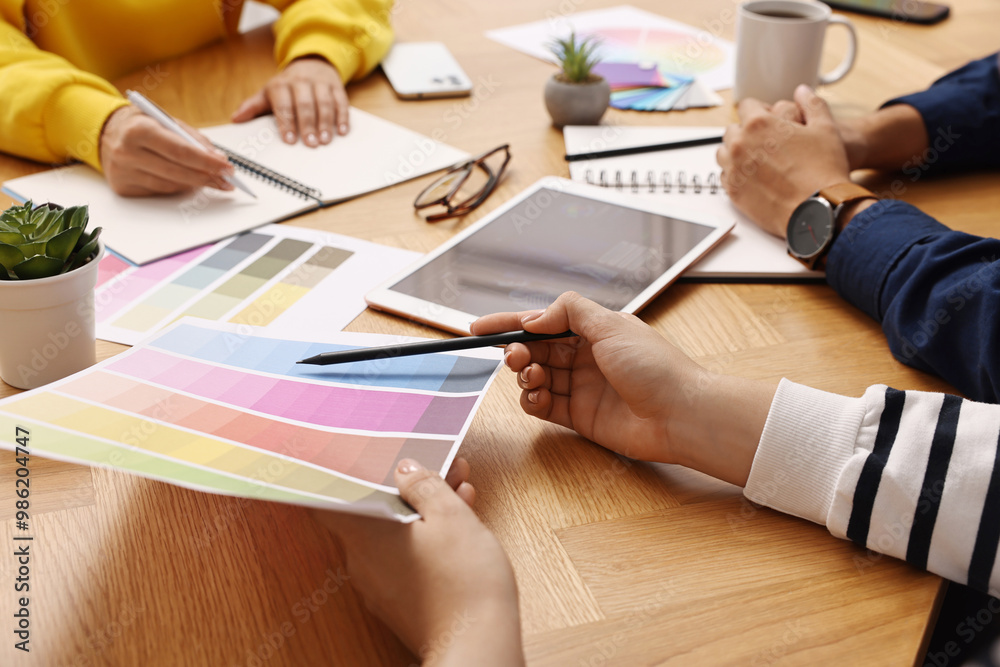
618 562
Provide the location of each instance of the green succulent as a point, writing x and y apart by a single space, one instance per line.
576 57
43 241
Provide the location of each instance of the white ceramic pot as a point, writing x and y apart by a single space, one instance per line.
47 326
576 103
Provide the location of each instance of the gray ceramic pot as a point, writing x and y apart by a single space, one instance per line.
576 103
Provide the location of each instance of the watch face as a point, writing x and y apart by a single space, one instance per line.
810 228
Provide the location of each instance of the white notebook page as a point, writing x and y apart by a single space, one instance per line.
374 155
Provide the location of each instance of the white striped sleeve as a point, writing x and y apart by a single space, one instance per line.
914 475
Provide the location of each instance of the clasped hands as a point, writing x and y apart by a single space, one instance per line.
779 155
140 157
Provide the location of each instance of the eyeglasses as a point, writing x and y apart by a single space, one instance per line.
465 185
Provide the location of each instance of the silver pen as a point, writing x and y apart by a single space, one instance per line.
159 115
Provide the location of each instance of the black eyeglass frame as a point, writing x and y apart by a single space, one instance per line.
475 199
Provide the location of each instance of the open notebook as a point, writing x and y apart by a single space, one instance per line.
288 180
689 177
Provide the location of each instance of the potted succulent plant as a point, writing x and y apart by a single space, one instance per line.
575 95
48 270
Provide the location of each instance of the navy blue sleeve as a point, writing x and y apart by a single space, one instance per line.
935 291
961 112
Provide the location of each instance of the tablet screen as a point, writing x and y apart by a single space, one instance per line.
548 244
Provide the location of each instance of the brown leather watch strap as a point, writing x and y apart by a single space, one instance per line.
841 193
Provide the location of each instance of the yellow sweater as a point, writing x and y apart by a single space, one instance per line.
56 57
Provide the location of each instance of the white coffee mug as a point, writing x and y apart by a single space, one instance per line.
779 44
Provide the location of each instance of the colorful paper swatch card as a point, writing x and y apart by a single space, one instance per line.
622 76
281 277
226 409
630 35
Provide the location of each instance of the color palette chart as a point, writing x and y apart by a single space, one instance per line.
208 406
633 36
281 277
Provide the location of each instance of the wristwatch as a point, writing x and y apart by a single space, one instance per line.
813 225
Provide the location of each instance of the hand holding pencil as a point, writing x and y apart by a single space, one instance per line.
607 384
140 157
623 386
428 347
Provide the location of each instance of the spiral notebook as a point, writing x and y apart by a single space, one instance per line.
288 180
689 177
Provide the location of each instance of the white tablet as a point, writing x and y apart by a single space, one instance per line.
613 247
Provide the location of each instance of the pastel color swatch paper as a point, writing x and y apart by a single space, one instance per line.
629 75
159 300
221 408
283 277
629 35
432 372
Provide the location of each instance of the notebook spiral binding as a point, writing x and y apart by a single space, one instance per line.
261 172
666 183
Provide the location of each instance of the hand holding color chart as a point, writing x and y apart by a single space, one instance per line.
206 406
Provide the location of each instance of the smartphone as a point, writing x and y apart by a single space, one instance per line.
424 69
899 10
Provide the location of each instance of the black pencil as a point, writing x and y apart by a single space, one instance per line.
635 150
429 347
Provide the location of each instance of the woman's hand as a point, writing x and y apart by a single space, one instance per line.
308 101
140 157
443 583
